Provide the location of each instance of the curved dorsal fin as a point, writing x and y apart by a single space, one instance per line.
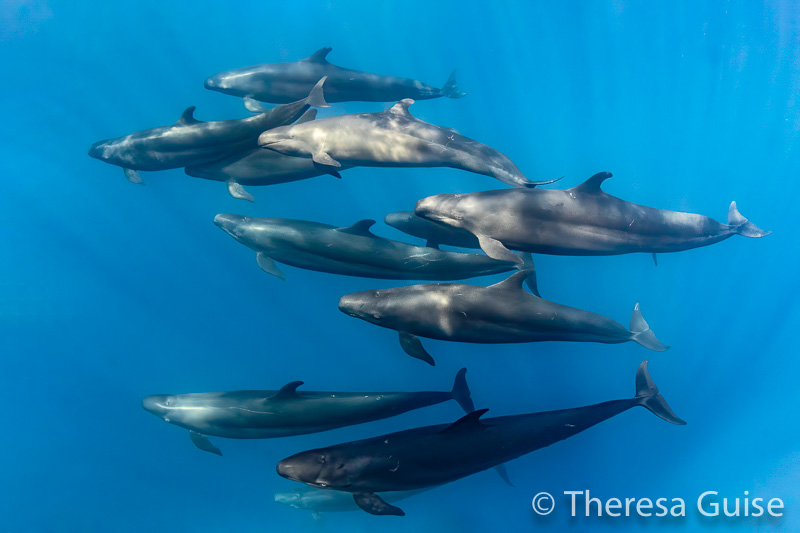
592 185
287 391
319 55
187 117
515 281
467 421
359 228
401 108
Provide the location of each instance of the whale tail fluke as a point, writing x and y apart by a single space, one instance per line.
450 89
742 226
461 392
642 333
316 97
647 395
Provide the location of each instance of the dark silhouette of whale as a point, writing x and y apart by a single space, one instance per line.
500 313
434 234
391 138
286 82
350 251
193 142
265 414
582 220
433 455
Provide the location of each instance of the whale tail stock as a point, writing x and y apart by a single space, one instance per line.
647 396
742 226
461 392
642 333
450 89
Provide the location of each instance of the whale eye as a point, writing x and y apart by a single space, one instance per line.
321 459
340 466
166 402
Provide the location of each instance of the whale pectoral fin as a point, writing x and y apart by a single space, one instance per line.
253 105
496 250
133 176
373 504
202 442
266 264
308 116
322 158
237 191
503 473
432 244
655 259
413 347
327 170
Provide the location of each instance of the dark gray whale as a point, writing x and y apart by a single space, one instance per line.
434 234
434 455
265 414
391 138
192 142
500 313
350 251
286 82
582 220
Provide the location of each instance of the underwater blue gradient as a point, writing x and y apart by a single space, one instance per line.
111 291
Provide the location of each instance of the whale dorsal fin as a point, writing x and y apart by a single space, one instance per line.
515 281
467 421
287 391
308 116
592 185
359 228
401 108
187 117
319 55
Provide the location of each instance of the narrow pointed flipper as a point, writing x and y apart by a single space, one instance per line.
413 347
503 473
655 259
133 176
266 264
528 266
496 250
373 504
322 158
254 106
327 170
202 442
237 191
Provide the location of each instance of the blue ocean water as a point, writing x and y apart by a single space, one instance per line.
111 291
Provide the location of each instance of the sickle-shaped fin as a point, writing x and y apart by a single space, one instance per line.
503 473
401 108
515 281
373 504
322 158
325 169
237 191
413 347
132 176
450 88
308 116
202 442
253 105
648 396
319 55
641 332
287 391
266 264
527 265
655 259
461 392
360 228
467 421
496 250
593 184
187 117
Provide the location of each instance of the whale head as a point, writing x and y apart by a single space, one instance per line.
285 140
334 468
242 82
401 220
372 306
448 209
160 405
110 151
